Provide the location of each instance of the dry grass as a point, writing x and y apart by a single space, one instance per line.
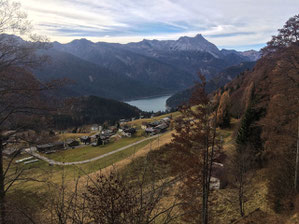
73 135
225 201
154 145
147 120
225 207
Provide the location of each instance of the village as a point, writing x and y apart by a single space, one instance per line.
97 137
92 135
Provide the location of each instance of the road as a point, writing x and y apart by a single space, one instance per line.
53 162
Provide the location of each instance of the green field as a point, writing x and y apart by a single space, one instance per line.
88 152
43 172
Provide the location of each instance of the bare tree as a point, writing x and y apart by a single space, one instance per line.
24 117
195 145
65 202
114 198
297 159
13 50
287 36
241 162
141 196
280 127
22 102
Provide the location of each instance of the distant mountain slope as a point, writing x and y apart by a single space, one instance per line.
229 74
251 54
197 43
220 80
192 54
129 64
194 61
94 110
169 64
272 76
136 70
91 79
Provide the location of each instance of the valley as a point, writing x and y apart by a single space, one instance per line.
135 70
190 116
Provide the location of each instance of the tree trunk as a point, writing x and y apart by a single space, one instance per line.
2 191
206 184
297 160
204 194
241 195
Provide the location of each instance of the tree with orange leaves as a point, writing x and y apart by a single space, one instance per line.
195 145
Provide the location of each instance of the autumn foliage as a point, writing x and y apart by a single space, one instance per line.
194 148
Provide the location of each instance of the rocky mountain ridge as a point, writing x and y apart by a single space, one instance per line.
154 67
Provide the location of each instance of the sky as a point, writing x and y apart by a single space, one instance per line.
230 24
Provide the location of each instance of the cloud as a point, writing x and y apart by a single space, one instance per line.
227 23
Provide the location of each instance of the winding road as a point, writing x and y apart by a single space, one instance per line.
53 162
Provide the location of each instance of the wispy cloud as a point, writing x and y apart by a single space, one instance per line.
227 23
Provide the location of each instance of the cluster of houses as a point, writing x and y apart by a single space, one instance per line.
101 136
104 136
127 131
53 147
44 148
156 127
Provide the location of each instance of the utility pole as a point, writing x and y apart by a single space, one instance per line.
297 159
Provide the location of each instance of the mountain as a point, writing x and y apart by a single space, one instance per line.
197 43
88 78
219 81
135 70
191 54
94 110
229 74
129 64
252 54
170 64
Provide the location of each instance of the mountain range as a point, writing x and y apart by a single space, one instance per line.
224 77
135 70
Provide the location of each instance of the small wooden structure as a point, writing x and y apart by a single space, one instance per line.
72 143
50 147
85 139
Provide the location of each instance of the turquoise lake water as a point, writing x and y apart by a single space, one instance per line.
150 104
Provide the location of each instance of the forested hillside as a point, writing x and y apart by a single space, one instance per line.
87 78
218 81
136 70
266 100
93 110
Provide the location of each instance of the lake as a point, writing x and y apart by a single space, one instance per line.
150 104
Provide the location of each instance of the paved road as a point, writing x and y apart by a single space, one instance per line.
53 162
